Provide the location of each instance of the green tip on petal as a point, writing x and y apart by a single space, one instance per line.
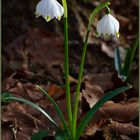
47 18
117 34
97 34
106 35
58 17
37 14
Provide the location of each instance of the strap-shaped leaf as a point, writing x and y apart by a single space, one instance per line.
33 105
62 135
5 95
59 112
96 107
117 60
40 135
130 54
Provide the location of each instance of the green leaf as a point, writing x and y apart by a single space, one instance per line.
33 105
117 60
130 54
62 135
96 107
5 95
59 112
40 135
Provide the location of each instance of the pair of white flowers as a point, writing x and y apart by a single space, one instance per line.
49 9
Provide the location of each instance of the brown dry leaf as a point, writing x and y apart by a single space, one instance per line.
27 91
14 55
91 129
32 54
131 93
22 127
15 113
26 119
124 21
62 105
53 73
72 79
37 45
9 82
121 112
44 48
33 93
55 91
7 111
92 94
123 128
124 137
107 50
101 79
6 132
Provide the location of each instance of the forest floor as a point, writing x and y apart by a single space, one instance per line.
32 53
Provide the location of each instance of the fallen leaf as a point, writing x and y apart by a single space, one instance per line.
121 112
6 133
91 129
72 79
27 91
55 91
92 94
35 57
124 21
44 48
123 128
104 80
124 137
9 82
108 50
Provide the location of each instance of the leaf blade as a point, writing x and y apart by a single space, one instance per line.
89 115
130 54
59 112
117 60
34 106
40 135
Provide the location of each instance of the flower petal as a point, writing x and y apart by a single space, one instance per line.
107 26
49 9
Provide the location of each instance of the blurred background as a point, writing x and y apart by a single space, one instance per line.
18 18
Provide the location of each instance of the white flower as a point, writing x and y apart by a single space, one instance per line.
49 9
107 26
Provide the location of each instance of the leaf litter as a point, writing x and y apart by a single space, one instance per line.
36 57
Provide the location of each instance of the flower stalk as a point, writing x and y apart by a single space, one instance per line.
66 51
93 14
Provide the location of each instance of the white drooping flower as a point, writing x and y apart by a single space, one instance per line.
107 26
49 9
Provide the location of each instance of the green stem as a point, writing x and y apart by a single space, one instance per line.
67 85
65 8
68 98
93 14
